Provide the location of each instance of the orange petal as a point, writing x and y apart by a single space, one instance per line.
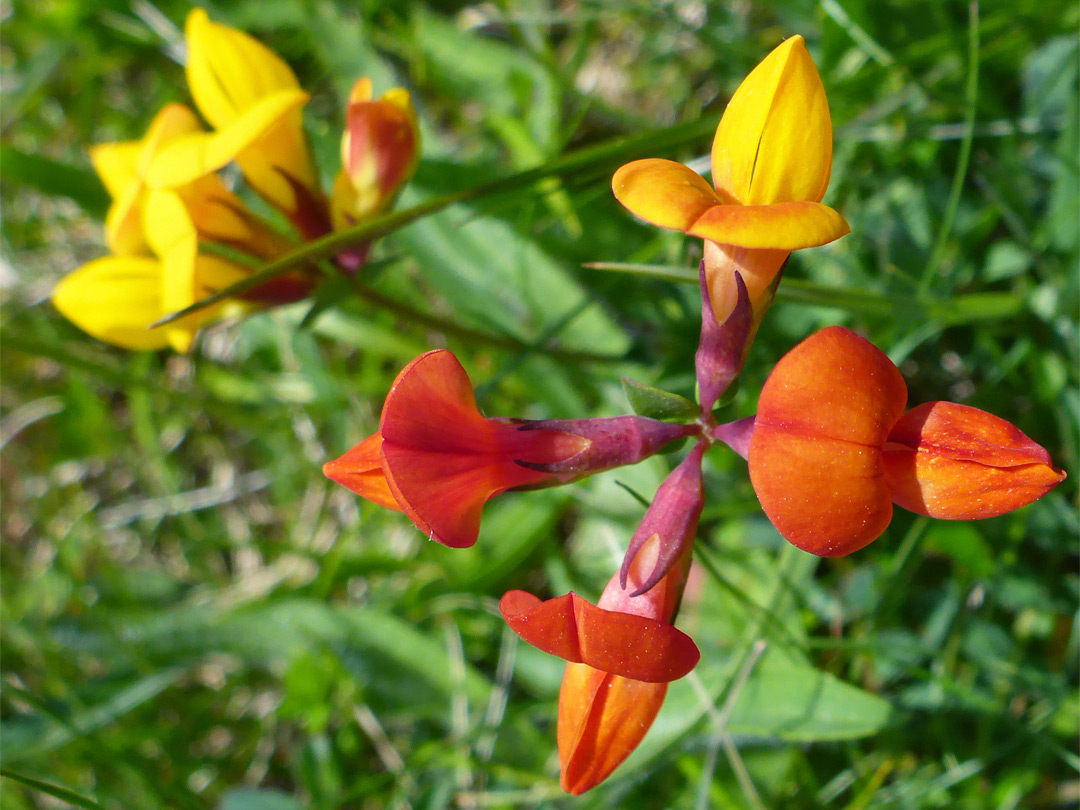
663 192
956 462
774 143
443 460
633 646
360 470
815 456
758 269
444 493
602 719
825 496
779 226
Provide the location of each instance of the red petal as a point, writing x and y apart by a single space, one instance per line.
570 627
815 456
443 460
360 470
444 493
602 719
382 142
956 462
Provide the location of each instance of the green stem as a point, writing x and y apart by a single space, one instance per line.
971 93
594 157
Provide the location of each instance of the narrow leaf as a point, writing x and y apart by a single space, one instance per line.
655 403
604 154
50 789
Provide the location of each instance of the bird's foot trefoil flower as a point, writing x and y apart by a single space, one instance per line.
440 460
168 200
832 449
621 655
771 161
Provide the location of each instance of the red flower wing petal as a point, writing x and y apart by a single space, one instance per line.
570 627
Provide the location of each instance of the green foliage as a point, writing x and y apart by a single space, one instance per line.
192 616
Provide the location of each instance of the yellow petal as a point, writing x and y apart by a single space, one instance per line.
663 192
190 277
361 91
123 167
115 299
229 71
779 226
192 156
774 143
186 276
116 164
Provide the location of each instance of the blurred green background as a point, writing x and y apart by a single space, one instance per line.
192 616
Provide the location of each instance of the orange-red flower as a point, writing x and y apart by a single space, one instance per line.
771 160
439 460
832 450
622 653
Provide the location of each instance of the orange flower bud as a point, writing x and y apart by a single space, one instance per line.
956 462
602 719
379 152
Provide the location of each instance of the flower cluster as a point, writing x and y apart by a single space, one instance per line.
169 205
830 450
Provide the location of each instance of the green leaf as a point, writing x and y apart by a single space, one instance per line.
56 791
503 282
258 799
17 744
657 404
55 179
786 698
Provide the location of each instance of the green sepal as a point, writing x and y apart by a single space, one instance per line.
657 404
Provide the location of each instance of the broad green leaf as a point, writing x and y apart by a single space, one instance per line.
259 799
500 281
786 698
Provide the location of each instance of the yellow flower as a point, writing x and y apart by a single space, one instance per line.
252 99
167 199
771 160
379 153
155 234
